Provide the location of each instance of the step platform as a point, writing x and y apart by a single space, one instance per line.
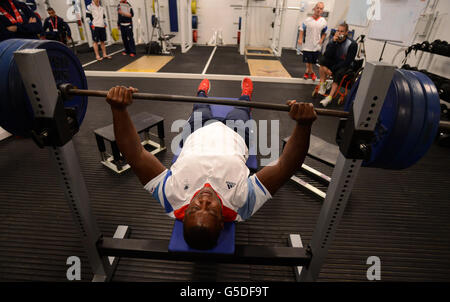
323 152
143 123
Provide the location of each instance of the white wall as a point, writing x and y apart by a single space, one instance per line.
259 23
433 63
218 15
141 21
212 15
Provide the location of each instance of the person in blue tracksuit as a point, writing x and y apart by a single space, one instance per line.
17 21
125 23
55 28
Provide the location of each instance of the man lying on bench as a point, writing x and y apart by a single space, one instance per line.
209 184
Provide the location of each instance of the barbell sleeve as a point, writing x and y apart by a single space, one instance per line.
69 90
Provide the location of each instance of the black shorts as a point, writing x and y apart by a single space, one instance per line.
337 74
310 56
99 34
324 61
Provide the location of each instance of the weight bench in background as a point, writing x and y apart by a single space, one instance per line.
322 151
143 122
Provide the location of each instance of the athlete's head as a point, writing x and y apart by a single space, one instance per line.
203 220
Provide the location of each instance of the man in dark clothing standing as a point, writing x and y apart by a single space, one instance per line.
336 61
17 21
125 23
55 28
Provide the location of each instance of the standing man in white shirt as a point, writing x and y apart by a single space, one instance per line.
312 33
96 14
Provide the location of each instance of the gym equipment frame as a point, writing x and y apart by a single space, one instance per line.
46 102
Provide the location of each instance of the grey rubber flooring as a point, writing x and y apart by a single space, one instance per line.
400 216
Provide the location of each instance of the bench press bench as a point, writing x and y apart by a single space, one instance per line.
143 122
226 242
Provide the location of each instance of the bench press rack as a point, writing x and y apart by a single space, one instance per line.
55 131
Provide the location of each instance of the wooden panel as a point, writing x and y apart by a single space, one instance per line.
147 64
267 68
248 53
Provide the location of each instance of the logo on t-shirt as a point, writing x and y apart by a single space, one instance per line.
230 184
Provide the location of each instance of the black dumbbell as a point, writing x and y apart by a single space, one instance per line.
425 46
444 112
443 48
444 91
434 46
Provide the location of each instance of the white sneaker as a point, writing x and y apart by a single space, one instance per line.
326 101
213 40
322 89
219 38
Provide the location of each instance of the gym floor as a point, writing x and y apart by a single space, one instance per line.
400 216
225 60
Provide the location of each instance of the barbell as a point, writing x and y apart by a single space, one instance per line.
68 91
407 126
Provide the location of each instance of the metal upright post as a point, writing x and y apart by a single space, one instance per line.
244 16
369 99
280 10
184 10
85 24
37 76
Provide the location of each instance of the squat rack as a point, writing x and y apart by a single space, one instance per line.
103 252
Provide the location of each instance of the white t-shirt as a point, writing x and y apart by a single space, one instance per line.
312 32
97 14
213 154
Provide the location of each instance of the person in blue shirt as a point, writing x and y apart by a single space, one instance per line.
17 21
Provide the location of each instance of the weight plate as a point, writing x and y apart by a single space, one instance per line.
194 7
432 118
385 123
400 111
194 22
194 36
418 109
16 112
11 110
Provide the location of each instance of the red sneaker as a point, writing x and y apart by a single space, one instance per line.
247 87
204 86
313 76
306 76
124 53
132 55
